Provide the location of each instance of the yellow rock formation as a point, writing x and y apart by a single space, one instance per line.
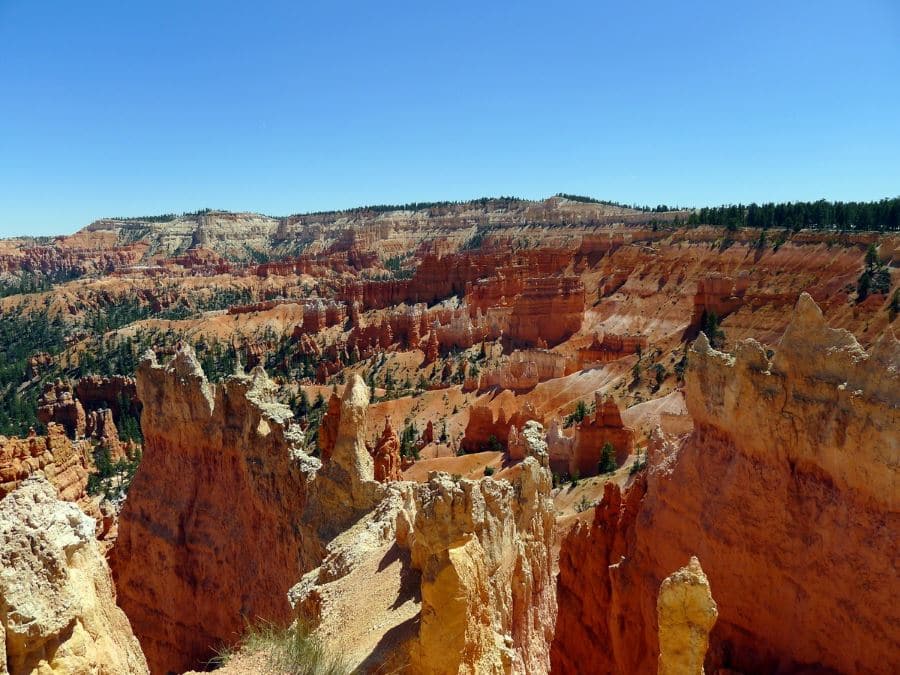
686 612
57 601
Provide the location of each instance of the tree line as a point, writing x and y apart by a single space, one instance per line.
883 215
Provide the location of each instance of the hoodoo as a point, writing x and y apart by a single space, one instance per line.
686 612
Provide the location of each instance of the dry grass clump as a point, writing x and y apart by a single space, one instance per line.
291 651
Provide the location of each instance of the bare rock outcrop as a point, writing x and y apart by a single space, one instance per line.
363 601
209 536
521 371
226 509
58 610
386 455
58 404
456 574
483 549
787 489
686 613
529 442
579 448
229 514
64 462
432 348
329 426
611 347
118 393
548 311
719 294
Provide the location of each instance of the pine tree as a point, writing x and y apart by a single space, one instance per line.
607 459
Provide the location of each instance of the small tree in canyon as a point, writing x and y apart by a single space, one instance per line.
607 459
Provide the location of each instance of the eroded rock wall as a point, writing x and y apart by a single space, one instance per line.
488 597
786 489
64 462
208 538
457 575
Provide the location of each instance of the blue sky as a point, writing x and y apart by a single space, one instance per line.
129 108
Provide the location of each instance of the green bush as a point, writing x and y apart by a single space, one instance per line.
494 445
876 278
581 411
709 324
607 462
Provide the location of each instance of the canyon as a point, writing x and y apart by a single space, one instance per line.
500 436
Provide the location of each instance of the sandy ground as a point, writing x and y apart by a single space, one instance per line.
467 466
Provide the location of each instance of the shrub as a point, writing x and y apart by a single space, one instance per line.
875 277
660 372
581 411
494 445
489 471
607 462
293 651
709 324
639 464
408 438
583 505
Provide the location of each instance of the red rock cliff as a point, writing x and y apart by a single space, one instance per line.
787 490
207 537
222 518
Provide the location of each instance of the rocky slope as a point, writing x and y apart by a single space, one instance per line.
787 489
451 345
58 610
64 462
488 598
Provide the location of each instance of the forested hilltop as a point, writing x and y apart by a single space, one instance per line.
881 216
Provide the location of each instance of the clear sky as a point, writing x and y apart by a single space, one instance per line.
136 108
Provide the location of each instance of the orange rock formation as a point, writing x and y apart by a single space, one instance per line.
387 455
65 463
578 449
212 512
787 488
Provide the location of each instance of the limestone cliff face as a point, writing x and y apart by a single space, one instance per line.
686 612
58 404
226 510
208 537
787 490
363 601
229 514
58 610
